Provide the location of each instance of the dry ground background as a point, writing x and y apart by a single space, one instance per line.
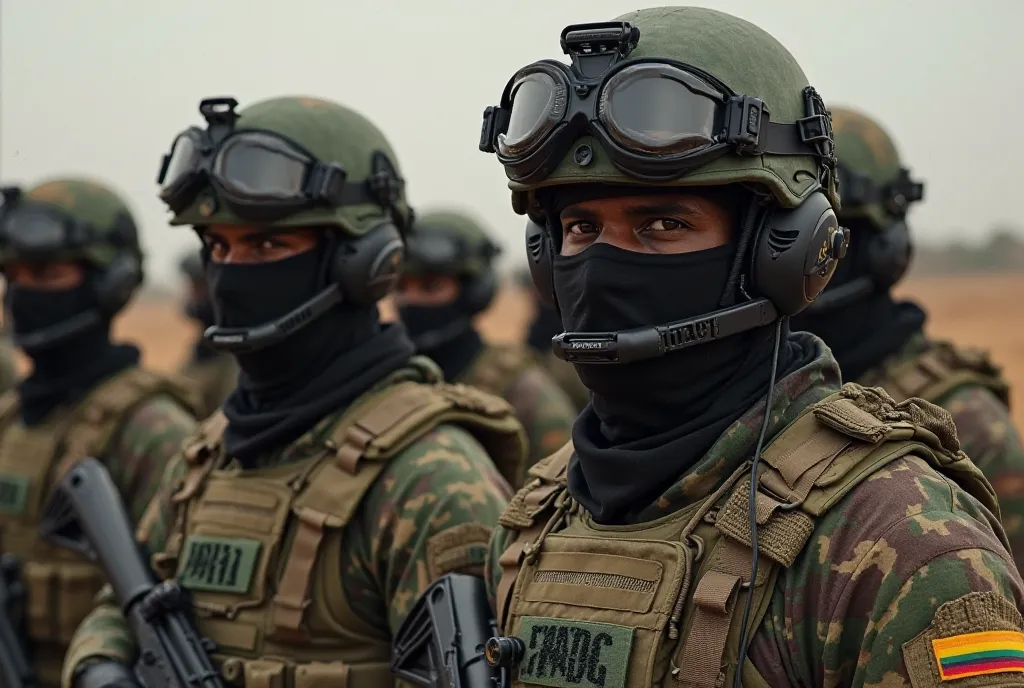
974 310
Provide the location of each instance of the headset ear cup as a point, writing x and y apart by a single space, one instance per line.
889 254
367 267
797 252
540 257
479 291
117 282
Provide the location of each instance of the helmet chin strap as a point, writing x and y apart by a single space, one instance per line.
249 339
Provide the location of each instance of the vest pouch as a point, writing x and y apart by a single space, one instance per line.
592 612
234 531
328 675
77 585
264 674
40 591
25 461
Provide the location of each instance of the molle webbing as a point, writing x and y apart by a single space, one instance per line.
936 372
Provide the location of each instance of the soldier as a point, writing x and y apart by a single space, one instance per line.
214 373
894 352
69 250
544 326
449 278
340 477
680 173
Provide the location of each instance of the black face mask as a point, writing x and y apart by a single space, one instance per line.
66 371
650 421
432 327
201 311
286 388
543 328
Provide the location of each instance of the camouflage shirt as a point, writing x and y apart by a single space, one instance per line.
545 411
870 579
986 432
214 378
443 480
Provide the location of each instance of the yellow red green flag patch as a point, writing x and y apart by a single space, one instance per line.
979 654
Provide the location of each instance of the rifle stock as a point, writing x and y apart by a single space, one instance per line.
85 514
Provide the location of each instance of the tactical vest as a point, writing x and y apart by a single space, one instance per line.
261 550
60 585
495 371
937 371
628 606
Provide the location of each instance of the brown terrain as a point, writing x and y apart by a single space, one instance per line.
974 310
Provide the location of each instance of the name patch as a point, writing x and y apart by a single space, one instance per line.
13 493
574 654
218 564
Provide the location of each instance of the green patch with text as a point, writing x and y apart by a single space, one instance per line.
571 654
13 493
219 564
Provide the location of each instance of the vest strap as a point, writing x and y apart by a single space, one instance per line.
292 596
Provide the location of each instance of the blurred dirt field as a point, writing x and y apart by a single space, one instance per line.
983 311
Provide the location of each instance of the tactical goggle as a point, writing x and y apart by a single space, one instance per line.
260 172
31 229
655 118
896 196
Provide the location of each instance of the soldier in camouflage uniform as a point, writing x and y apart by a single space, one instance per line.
69 250
212 372
675 240
340 476
544 326
448 279
894 352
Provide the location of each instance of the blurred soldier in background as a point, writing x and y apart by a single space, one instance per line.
449 277
894 352
544 325
69 250
213 373
340 476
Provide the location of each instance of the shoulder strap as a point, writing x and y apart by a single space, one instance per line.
497 368
526 515
939 370
97 418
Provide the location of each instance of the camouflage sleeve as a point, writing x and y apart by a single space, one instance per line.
104 632
499 542
429 513
874 588
988 436
545 411
146 442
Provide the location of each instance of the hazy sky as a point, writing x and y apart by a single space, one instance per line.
102 87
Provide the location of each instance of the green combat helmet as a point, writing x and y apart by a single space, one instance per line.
877 193
453 244
79 220
294 162
734 107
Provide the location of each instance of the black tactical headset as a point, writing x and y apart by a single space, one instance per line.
47 230
796 250
889 250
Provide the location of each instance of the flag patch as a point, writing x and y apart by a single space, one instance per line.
979 654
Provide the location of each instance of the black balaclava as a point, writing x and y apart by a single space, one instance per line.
650 421
444 333
864 332
286 388
546 324
64 372
201 310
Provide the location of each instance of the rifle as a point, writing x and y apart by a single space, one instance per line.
449 640
15 668
85 514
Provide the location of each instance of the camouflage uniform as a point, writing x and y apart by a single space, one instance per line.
452 244
8 370
881 558
337 532
964 382
213 373
133 421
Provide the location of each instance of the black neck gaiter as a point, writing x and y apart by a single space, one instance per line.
456 355
864 332
66 372
202 312
543 328
650 421
286 388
